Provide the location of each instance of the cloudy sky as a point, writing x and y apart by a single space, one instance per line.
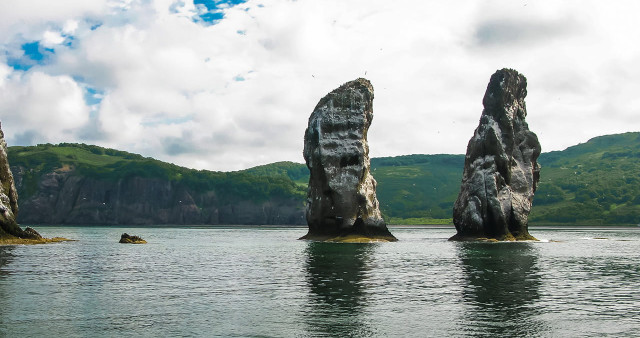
226 85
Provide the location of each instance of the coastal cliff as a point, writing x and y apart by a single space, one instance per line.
69 198
139 191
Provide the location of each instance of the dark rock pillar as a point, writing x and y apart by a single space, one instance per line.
341 200
501 172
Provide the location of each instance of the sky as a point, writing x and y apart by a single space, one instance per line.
227 85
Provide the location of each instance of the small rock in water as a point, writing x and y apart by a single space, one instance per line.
501 171
128 239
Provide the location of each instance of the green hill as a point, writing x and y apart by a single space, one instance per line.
592 183
597 182
418 189
412 189
109 164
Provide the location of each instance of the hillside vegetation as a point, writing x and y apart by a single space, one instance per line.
597 182
102 163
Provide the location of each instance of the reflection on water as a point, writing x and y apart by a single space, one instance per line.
335 274
6 256
501 288
265 283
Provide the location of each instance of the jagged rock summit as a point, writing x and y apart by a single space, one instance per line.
341 201
501 172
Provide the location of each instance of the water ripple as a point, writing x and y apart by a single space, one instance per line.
265 283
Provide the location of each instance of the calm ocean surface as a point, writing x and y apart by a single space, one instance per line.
262 282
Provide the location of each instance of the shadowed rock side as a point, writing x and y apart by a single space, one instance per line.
68 197
501 172
9 201
341 201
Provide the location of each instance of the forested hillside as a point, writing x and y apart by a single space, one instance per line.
597 182
85 184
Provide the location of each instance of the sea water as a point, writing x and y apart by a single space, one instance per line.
263 282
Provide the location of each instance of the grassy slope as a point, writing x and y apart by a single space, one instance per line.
597 182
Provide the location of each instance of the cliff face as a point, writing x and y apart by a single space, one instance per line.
65 197
342 193
501 172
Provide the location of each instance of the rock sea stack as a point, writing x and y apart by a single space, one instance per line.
341 200
501 172
9 201
10 231
129 239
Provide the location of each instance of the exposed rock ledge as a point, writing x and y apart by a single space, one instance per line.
31 237
21 241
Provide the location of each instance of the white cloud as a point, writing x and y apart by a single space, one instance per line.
239 93
28 19
70 26
50 108
50 39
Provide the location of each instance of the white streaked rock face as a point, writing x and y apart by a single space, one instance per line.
501 172
342 193
9 198
8 194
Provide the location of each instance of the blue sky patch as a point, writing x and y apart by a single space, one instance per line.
34 51
95 26
68 40
213 9
33 54
93 96
211 16
218 4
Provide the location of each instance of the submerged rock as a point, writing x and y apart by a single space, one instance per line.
129 239
501 172
341 200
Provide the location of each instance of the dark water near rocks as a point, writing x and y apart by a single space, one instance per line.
255 282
